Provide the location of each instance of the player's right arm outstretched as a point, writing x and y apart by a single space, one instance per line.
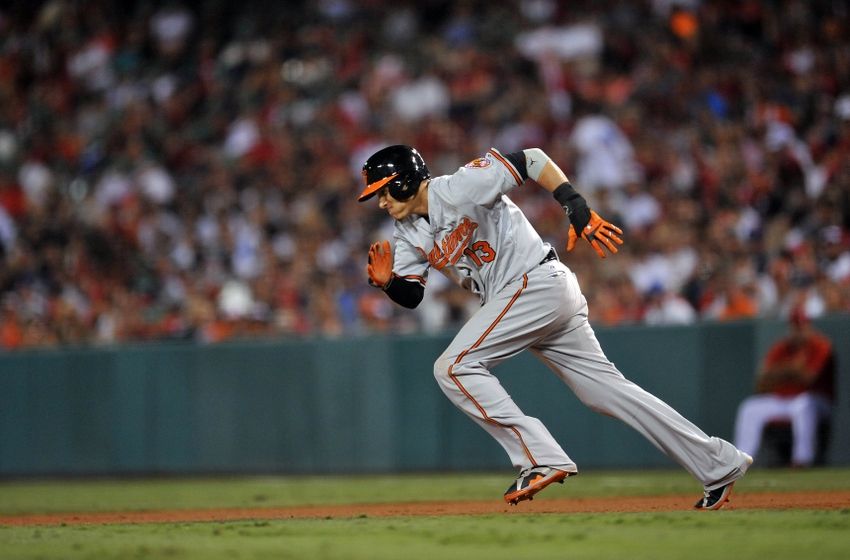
584 222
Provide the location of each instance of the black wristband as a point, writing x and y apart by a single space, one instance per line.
565 193
574 205
404 292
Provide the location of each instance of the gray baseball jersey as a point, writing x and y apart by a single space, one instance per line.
477 236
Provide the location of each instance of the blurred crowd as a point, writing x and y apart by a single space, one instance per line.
189 170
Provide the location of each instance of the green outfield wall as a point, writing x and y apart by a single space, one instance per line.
353 404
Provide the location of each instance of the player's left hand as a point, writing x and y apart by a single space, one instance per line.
380 267
598 233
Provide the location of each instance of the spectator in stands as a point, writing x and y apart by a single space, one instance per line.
795 384
154 153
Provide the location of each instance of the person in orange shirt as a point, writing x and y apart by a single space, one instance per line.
740 304
796 384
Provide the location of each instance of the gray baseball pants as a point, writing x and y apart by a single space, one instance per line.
546 312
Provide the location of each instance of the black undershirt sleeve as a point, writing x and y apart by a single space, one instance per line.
518 161
405 292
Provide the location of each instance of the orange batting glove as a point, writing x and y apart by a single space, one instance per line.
598 233
380 267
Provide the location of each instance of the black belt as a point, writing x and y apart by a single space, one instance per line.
550 256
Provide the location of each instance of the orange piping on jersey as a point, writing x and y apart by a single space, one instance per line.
416 277
478 342
507 164
376 186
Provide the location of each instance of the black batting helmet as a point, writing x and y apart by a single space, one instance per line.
400 168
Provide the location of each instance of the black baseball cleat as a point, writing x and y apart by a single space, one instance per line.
531 481
715 499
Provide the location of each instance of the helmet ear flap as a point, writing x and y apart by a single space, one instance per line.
404 187
399 168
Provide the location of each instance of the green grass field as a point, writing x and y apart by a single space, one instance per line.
774 534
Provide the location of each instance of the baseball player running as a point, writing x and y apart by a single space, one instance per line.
464 226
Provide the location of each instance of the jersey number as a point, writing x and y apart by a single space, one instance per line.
481 252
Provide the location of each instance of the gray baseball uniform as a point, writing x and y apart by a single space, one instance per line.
476 235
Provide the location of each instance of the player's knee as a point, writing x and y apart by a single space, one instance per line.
599 399
442 370
593 401
599 406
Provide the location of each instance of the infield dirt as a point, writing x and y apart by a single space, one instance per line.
631 504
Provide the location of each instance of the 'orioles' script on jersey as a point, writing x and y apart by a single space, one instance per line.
470 220
450 249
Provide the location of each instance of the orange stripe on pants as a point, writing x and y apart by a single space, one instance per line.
478 342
